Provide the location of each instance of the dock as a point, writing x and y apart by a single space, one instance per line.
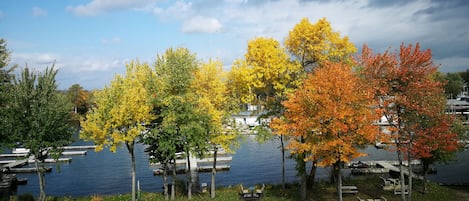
203 160
380 167
73 153
27 170
198 164
205 168
64 153
15 163
82 147
208 168
51 160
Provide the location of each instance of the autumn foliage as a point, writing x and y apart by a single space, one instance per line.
411 100
409 96
332 112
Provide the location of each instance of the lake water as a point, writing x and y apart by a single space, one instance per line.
102 173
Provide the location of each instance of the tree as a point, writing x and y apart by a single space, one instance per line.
79 98
121 111
411 100
6 78
271 77
436 141
209 84
41 116
237 82
178 117
454 85
312 45
332 112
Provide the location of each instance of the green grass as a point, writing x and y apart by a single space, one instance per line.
323 191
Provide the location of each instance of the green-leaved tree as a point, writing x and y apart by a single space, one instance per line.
41 116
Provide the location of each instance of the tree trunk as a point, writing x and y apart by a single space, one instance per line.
165 181
130 148
339 181
425 167
40 174
301 166
401 170
189 177
409 161
173 186
312 174
282 145
214 172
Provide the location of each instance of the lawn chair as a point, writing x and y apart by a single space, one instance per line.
243 190
260 192
244 194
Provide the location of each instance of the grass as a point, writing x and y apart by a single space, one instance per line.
323 191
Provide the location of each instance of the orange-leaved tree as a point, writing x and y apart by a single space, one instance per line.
332 112
412 102
311 46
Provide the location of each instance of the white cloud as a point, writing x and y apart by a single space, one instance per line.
36 60
90 72
201 24
111 41
39 12
179 10
96 7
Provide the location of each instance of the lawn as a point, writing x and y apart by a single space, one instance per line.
323 191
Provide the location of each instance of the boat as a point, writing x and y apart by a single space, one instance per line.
21 181
20 150
358 165
380 145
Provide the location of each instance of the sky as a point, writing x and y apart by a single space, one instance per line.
90 41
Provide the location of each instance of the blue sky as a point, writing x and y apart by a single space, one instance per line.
91 40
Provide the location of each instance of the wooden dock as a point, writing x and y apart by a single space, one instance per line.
13 155
27 170
205 168
64 153
208 168
51 160
73 153
203 160
71 147
380 167
14 163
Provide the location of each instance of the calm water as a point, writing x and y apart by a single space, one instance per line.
101 173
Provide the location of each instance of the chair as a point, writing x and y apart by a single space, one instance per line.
244 191
376 199
260 192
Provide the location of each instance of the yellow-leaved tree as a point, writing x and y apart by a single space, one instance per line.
120 112
315 44
210 84
264 78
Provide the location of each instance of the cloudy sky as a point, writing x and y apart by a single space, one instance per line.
91 40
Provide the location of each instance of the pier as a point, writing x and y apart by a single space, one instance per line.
198 164
10 167
204 168
27 170
381 167
78 147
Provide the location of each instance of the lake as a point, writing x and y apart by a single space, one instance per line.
103 173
